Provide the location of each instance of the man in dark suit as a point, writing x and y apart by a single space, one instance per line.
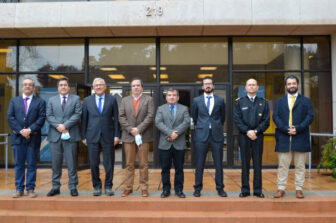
63 114
172 120
26 115
252 117
100 128
136 118
293 114
208 113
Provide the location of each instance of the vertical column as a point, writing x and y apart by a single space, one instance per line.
333 78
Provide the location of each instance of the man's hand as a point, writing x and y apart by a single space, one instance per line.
25 133
174 135
251 134
292 130
116 141
134 131
61 128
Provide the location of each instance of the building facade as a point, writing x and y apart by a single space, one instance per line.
173 43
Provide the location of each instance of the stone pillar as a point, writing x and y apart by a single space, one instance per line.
333 78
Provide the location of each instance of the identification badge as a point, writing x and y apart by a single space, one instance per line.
244 108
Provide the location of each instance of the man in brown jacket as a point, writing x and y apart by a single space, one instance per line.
136 113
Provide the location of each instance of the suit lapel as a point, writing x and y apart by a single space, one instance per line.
169 114
106 101
203 103
142 99
67 105
32 104
93 102
178 111
297 101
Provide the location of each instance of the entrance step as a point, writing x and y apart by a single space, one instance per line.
172 209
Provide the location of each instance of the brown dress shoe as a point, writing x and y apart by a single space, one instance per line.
17 194
126 193
299 194
279 194
32 194
144 193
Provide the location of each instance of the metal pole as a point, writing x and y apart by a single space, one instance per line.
6 146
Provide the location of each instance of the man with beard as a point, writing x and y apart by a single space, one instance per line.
293 113
208 113
252 117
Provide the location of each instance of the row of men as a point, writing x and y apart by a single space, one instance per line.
100 119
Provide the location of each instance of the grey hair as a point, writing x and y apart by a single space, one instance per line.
98 79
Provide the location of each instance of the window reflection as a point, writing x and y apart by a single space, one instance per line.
266 53
120 60
52 55
190 59
316 54
7 56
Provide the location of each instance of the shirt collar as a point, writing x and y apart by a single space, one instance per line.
252 97
97 97
24 96
205 95
136 98
66 96
290 95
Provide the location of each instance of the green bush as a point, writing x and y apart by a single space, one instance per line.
328 158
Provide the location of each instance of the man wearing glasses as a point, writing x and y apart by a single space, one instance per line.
208 113
100 129
26 115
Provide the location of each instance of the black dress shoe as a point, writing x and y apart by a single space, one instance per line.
74 192
260 195
221 193
109 192
97 192
165 193
180 194
244 194
53 192
197 193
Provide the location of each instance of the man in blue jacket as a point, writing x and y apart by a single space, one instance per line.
26 115
293 113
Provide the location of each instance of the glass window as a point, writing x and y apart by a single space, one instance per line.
60 55
7 56
120 60
316 54
7 91
191 59
271 87
266 53
317 87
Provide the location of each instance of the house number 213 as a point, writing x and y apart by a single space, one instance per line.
154 11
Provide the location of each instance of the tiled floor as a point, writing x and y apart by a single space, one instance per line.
232 180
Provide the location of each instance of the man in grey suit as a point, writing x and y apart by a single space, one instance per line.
172 120
63 114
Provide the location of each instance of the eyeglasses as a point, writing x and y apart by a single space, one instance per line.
63 85
98 85
27 85
207 84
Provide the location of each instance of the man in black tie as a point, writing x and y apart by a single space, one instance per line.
100 128
252 117
208 113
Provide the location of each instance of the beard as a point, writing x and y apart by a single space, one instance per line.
292 90
208 90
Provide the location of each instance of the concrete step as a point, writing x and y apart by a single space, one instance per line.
172 209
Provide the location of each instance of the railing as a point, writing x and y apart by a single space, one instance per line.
6 149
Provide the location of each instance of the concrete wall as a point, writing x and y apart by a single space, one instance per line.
170 18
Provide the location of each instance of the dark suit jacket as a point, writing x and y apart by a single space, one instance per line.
35 119
303 115
93 121
251 115
202 119
69 117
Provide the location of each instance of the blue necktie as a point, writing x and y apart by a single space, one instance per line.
208 103
100 105
172 110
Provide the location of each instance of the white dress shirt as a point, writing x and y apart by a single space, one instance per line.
102 101
212 102
28 101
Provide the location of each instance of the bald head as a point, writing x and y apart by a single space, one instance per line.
251 87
